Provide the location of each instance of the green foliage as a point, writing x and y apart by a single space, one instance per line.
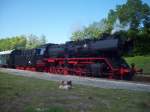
78 35
94 31
142 43
18 42
21 42
141 62
35 41
111 18
133 11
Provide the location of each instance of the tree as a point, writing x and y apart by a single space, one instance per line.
42 39
133 11
34 41
78 35
21 42
93 31
111 18
136 14
17 42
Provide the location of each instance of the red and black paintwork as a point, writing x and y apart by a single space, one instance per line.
92 58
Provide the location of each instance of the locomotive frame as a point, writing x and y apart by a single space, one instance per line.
91 58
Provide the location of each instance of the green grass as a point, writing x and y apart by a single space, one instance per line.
21 94
140 62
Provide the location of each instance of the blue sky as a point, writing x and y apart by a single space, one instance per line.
55 19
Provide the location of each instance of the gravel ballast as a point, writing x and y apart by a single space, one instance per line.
95 82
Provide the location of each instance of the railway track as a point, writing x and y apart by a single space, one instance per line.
95 82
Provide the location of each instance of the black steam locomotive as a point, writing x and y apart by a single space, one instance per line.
94 58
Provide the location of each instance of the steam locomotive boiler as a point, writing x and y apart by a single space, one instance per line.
92 58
